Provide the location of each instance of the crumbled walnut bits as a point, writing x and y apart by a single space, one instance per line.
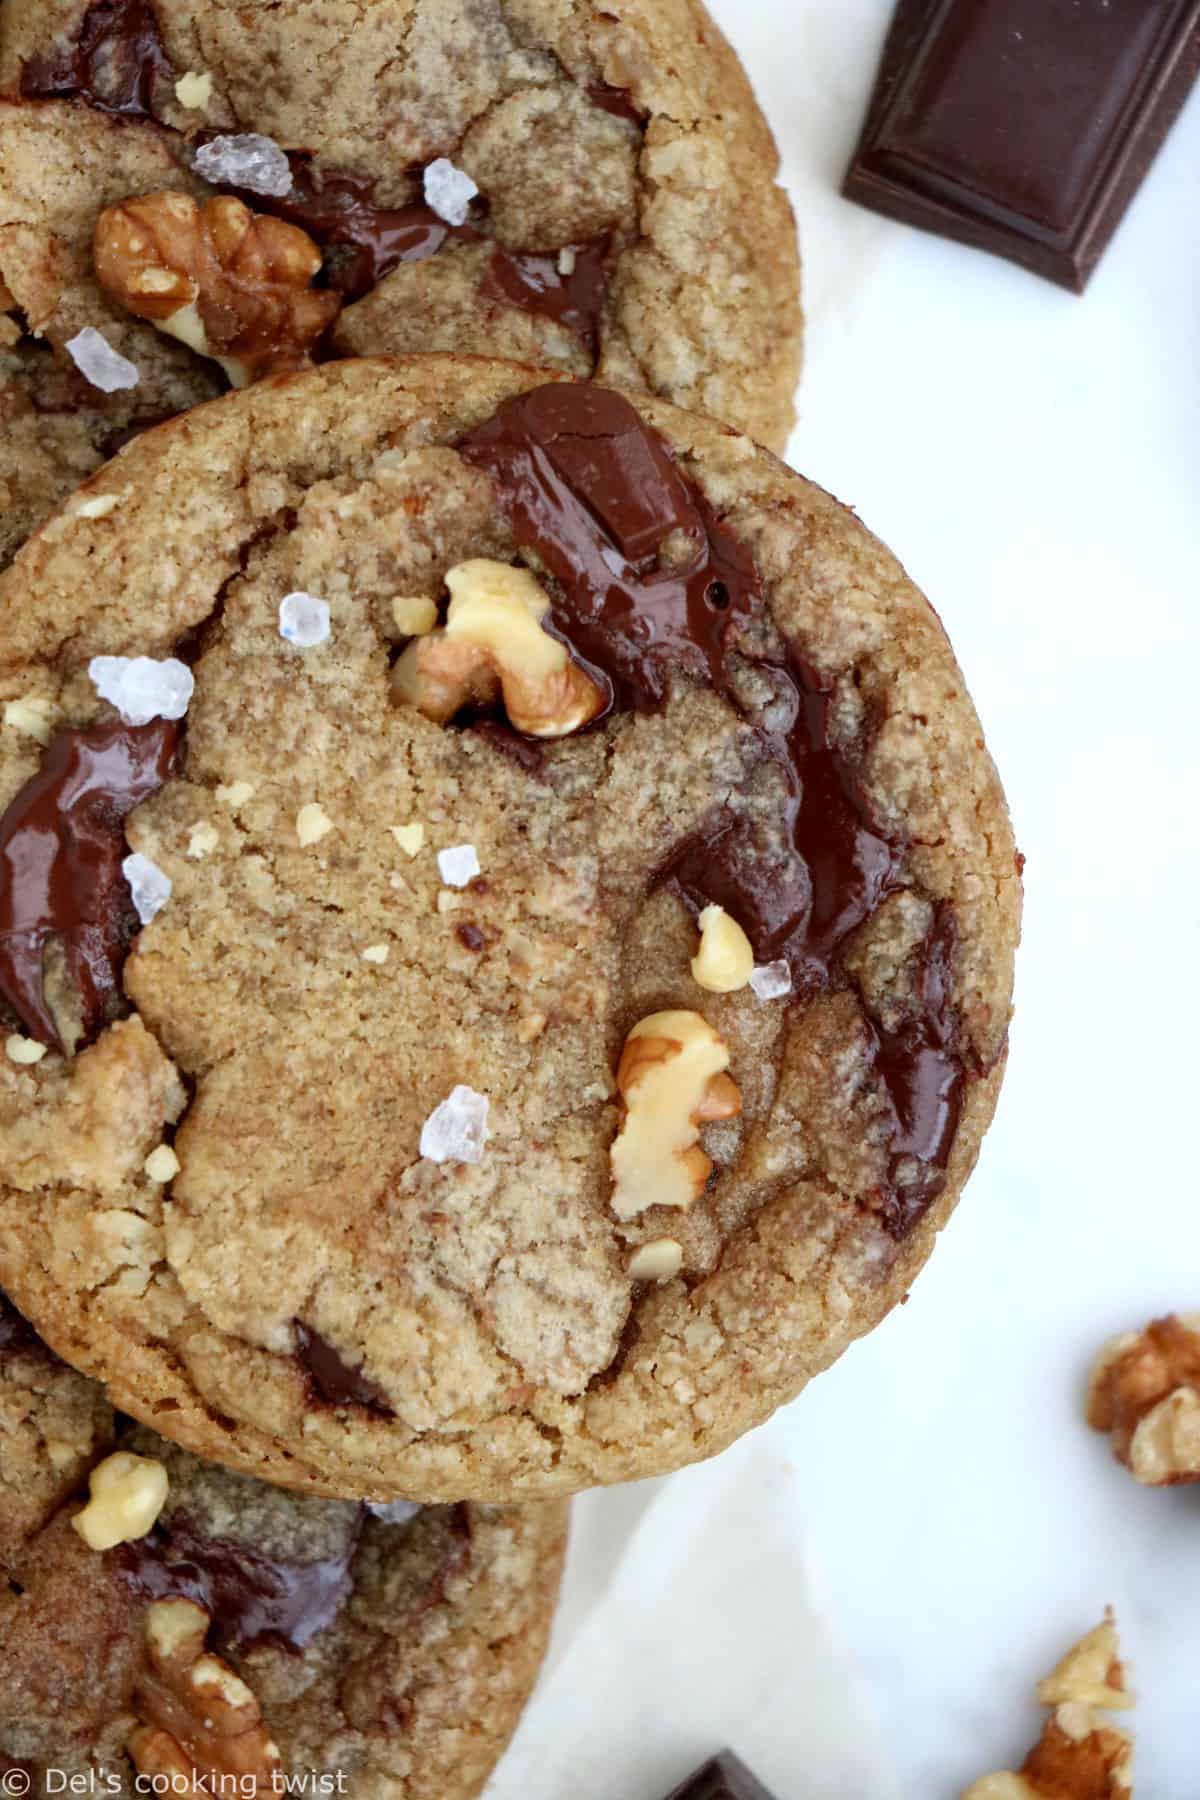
1078 1756
230 283
201 1725
671 1078
1145 1394
127 1494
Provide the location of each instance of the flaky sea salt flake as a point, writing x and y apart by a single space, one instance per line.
245 160
394 1512
303 620
449 191
456 1131
101 365
771 981
143 687
458 865
149 887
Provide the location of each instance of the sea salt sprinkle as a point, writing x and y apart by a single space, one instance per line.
456 1131
143 687
449 191
303 620
771 981
394 1512
248 160
458 865
148 886
99 363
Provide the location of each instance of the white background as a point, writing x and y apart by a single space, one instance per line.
862 1595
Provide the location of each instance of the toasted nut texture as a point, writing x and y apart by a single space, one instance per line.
1145 1394
1078 1756
659 1260
229 283
128 1493
199 1720
725 959
671 1078
494 644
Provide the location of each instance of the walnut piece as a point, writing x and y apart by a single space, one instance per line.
199 1719
725 960
494 645
1145 1394
671 1078
1078 1757
127 1494
230 283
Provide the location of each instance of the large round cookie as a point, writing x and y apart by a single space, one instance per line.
628 221
785 734
393 1649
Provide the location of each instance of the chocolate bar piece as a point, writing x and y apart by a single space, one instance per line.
1024 127
726 1777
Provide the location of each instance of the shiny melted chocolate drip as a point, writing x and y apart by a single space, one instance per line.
252 1598
62 842
652 584
333 1380
536 284
113 64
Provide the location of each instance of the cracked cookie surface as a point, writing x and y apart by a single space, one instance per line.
313 1296
395 1650
628 223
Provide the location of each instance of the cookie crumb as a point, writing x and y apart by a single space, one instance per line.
23 1050
245 160
415 615
143 687
530 1026
235 794
457 1130
459 865
312 824
99 364
194 91
449 191
567 258
149 886
203 840
30 717
411 838
448 901
771 981
375 953
162 1164
303 620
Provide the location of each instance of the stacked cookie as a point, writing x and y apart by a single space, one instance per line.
506 916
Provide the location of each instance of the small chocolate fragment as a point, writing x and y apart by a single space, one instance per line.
470 937
527 753
726 1777
1024 127
537 284
113 65
617 101
62 842
333 1380
252 1598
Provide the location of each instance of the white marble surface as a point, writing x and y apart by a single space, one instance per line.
1035 460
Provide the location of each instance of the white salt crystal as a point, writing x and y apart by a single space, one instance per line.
771 981
456 1131
247 160
303 620
394 1512
449 191
458 865
143 687
99 363
150 888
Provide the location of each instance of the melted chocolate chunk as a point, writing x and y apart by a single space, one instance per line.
62 842
362 242
653 585
726 1777
470 937
536 284
252 1598
333 1380
113 64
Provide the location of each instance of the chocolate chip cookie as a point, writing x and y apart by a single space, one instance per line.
193 192
507 929
185 1621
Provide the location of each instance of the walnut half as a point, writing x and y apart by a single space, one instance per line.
671 1078
230 283
200 1722
1145 1394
